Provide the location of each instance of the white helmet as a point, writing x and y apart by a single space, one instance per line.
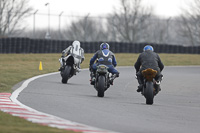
75 43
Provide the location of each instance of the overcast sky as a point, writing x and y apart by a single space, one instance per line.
163 8
94 7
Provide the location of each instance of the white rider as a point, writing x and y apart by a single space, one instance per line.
76 51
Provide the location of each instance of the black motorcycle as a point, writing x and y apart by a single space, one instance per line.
102 80
150 87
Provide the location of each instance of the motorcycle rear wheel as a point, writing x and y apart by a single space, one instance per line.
101 86
66 74
148 93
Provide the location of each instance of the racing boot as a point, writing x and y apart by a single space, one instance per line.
61 68
62 62
140 87
92 80
78 69
112 78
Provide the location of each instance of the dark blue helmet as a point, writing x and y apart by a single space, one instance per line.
104 46
148 47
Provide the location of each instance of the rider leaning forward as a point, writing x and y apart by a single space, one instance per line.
106 57
148 59
72 49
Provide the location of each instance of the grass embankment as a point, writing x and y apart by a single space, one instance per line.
18 67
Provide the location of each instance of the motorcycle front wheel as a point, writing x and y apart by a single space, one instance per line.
101 86
66 74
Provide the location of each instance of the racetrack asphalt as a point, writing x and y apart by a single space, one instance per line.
176 108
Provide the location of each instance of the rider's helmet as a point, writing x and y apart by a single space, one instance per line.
75 43
104 46
148 47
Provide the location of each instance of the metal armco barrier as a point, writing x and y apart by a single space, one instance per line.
27 45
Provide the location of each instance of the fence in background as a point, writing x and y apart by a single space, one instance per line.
27 45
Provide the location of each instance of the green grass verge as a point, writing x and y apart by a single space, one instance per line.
18 67
12 124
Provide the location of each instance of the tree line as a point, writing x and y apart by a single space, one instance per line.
131 23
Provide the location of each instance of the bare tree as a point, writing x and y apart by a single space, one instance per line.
12 13
190 26
158 30
86 29
130 21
